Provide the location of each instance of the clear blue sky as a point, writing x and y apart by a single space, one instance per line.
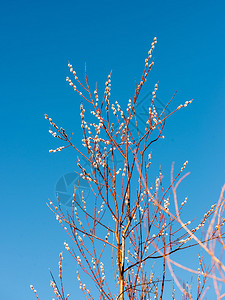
38 38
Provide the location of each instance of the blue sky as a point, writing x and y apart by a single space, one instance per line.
38 38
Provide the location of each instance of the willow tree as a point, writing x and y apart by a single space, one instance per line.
125 237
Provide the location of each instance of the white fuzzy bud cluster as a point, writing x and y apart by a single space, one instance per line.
185 201
83 200
124 169
96 114
93 262
58 219
156 293
60 265
107 236
33 289
206 216
120 127
85 289
72 70
127 259
129 105
217 227
77 217
78 260
162 232
114 109
114 219
84 174
166 203
152 47
112 128
198 227
102 270
153 116
154 92
186 224
55 290
148 65
149 160
119 109
154 113
147 246
57 149
72 84
62 136
54 134
151 278
184 241
157 184
50 119
141 209
66 246
107 91
96 97
101 208
185 104
186 162
119 170
78 278
76 78
82 110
